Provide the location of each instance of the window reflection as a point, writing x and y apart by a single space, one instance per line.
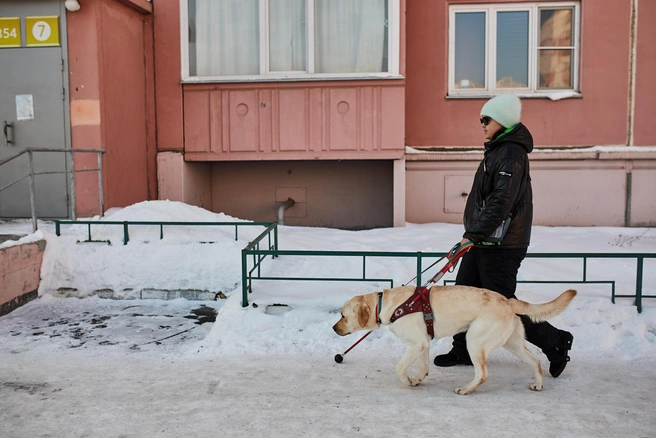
512 49
470 50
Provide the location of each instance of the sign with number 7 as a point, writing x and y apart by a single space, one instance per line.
10 35
42 31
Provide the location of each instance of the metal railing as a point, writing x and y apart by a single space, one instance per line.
161 224
259 255
69 164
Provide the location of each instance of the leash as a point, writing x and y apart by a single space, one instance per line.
455 253
452 256
419 301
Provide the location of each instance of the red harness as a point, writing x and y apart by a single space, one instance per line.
418 302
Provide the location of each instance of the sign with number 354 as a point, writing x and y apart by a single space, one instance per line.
10 35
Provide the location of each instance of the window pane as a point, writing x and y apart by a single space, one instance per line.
287 30
556 28
350 36
555 69
512 49
225 35
470 50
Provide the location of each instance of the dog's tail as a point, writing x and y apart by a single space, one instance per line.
545 311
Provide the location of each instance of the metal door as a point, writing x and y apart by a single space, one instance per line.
33 106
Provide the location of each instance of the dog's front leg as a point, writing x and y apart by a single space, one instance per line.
415 351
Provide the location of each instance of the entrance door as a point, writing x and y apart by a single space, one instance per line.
32 105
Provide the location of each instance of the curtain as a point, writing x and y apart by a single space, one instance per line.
227 37
287 35
350 36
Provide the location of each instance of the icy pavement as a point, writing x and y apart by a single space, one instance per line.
131 368
127 326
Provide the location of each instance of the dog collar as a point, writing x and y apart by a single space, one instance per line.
379 306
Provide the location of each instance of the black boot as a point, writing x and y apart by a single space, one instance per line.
558 359
450 359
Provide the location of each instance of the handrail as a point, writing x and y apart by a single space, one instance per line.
31 174
161 224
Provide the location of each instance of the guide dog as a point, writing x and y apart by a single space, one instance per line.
489 318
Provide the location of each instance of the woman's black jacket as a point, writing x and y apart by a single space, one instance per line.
502 188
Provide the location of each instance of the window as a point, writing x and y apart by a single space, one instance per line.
520 47
289 39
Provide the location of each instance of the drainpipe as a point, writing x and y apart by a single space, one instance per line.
633 41
281 210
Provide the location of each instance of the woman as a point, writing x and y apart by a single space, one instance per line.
498 218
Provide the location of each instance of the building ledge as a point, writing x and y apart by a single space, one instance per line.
451 153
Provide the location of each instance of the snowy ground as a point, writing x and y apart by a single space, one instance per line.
78 367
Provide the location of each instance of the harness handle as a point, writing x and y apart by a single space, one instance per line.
453 256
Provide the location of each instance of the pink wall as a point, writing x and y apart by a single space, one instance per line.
20 273
291 121
255 121
84 91
598 118
112 103
168 72
645 99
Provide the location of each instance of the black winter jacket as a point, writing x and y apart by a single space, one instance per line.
502 188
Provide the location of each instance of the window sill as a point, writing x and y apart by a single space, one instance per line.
553 95
308 78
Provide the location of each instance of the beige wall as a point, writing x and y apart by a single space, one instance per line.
569 189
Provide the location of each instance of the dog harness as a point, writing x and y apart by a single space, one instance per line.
418 302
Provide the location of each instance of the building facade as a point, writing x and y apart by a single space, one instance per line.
363 112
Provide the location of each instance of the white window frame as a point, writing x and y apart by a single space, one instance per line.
533 9
393 54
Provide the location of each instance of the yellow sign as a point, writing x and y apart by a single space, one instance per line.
10 32
42 31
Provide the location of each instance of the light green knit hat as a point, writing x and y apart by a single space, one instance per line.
505 109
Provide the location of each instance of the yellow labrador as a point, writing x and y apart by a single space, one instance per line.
489 318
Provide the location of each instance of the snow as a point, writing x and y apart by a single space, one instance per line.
77 365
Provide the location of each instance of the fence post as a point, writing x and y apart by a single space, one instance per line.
638 300
244 286
126 237
101 199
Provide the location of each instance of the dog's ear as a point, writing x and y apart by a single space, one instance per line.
363 314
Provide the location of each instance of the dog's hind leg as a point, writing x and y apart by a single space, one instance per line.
515 344
479 359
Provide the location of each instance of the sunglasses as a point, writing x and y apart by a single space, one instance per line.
485 120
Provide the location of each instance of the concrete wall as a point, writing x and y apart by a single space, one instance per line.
20 273
348 194
185 182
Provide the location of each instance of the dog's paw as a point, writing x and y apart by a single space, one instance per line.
462 391
535 387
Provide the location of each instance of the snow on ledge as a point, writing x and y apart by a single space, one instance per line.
470 150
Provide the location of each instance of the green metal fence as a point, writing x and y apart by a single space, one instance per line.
161 224
257 255
266 244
